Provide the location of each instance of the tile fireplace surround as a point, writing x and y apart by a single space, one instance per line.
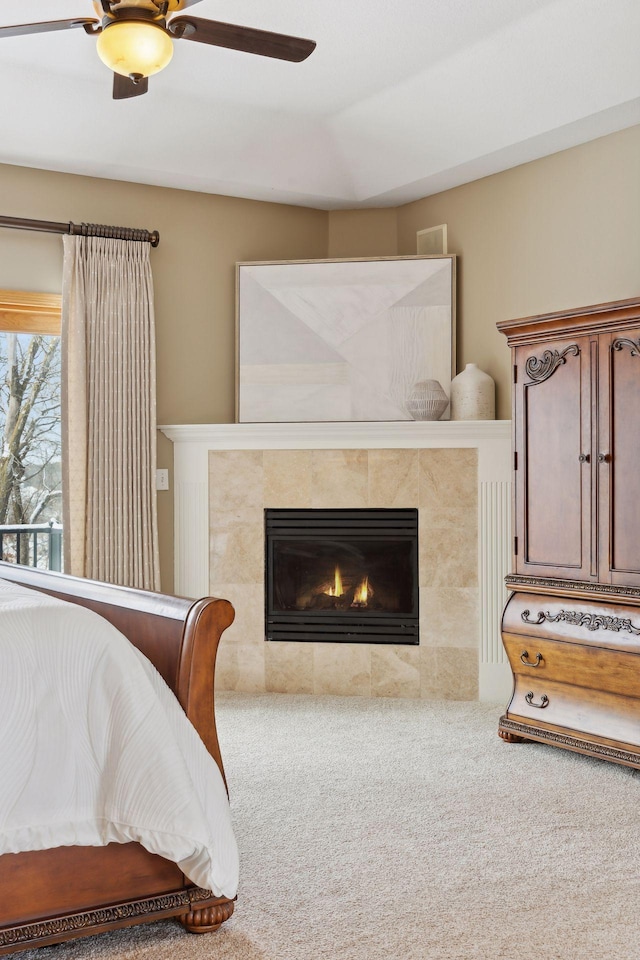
458 475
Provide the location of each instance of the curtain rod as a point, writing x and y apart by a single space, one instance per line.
82 229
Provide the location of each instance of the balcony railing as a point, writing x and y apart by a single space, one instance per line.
32 544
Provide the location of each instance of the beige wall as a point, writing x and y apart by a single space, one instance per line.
363 233
563 231
202 237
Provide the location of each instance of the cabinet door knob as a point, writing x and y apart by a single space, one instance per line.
604 457
584 458
524 657
544 700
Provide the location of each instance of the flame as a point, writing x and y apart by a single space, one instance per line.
336 590
362 593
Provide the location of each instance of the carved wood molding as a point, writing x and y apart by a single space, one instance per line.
592 621
539 369
527 732
180 902
207 919
634 345
513 581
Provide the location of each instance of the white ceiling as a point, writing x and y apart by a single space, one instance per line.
399 100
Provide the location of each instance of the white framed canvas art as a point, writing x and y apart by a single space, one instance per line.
341 339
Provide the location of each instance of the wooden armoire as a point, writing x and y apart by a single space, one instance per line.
571 627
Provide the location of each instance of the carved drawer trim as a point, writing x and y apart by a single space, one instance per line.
592 621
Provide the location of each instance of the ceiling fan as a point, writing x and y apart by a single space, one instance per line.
134 38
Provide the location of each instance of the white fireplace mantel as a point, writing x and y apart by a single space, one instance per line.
340 435
491 438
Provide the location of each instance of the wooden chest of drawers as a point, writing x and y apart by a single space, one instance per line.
572 627
576 668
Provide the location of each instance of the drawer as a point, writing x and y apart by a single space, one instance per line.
597 668
573 620
576 709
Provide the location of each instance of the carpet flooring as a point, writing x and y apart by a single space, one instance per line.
407 830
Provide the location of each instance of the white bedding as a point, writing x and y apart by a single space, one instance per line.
95 748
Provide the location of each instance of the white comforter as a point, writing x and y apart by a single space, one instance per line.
95 748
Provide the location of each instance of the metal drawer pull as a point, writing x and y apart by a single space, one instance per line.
524 657
544 701
584 458
604 457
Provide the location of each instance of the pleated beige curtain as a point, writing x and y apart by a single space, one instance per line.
109 412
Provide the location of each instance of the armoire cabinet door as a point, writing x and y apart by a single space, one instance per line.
553 459
618 458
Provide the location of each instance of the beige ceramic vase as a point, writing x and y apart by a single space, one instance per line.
473 395
427 400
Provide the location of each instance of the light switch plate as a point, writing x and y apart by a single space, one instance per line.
162 479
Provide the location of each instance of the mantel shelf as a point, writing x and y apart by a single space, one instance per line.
343 434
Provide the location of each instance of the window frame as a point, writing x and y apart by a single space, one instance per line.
24 312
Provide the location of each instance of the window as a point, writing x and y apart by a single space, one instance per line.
30 442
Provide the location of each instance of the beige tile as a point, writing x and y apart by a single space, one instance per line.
449 617
449 483
448 673
428 663
448 556
287 478
393 478
342 669
288 667
235 480
240 666
236 551
457 673
339 479
395 671
226 665
248 603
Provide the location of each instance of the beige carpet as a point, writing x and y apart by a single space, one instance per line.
407 830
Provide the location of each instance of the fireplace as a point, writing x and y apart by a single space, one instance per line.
342 575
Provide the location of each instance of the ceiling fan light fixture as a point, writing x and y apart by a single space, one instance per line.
134 47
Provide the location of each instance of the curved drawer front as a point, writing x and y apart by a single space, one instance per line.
573 620
547 702
596 668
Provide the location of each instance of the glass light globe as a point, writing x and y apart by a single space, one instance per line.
134 47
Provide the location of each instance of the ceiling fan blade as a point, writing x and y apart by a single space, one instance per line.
124 88
234 37
21 29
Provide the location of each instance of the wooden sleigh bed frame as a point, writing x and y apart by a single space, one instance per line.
48 896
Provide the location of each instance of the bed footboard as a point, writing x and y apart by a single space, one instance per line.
49 896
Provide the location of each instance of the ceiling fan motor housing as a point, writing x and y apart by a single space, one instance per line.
159 8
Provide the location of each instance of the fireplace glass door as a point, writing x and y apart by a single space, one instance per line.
342 575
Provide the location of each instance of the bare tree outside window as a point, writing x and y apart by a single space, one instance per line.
30 453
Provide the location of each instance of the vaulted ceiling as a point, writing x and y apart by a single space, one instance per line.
399 100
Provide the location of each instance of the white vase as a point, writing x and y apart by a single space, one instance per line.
427 400
473 395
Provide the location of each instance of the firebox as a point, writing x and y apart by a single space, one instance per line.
342 575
